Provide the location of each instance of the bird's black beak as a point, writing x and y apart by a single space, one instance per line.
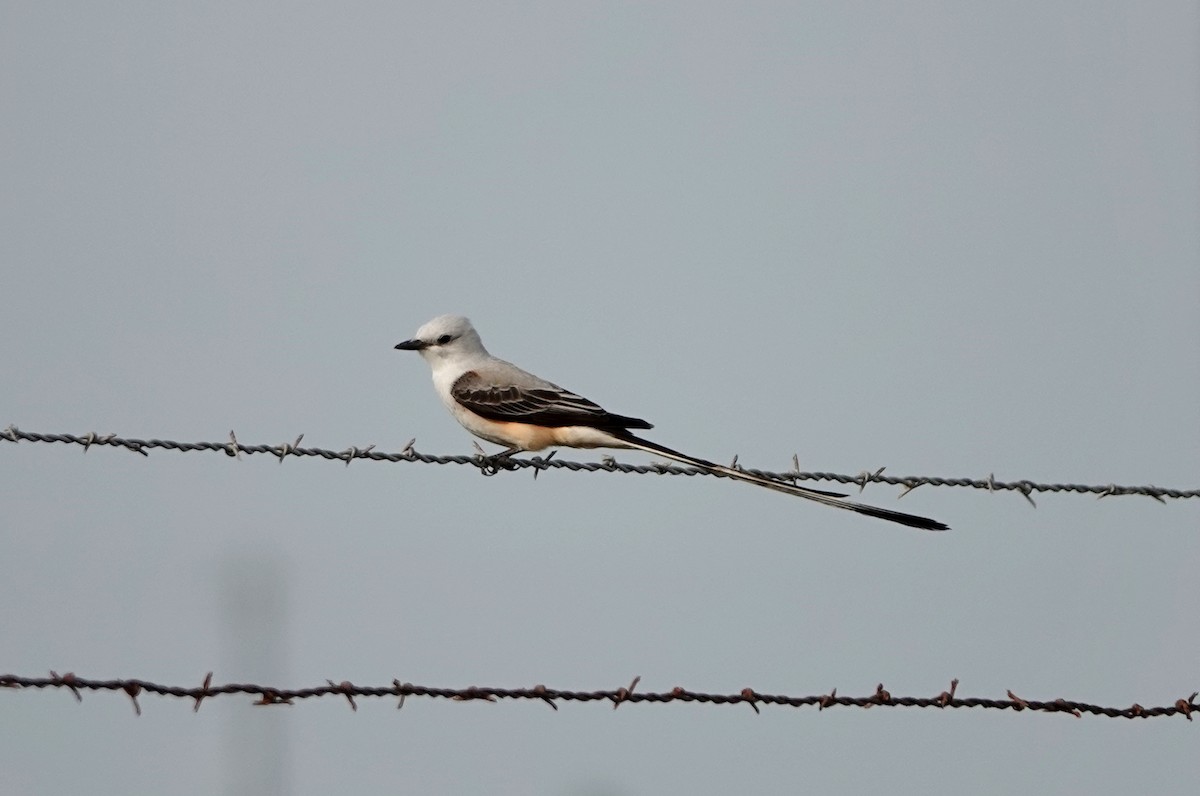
411 345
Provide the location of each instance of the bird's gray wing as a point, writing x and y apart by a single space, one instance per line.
535 401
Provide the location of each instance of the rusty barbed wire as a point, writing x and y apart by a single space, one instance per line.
490 465
268 695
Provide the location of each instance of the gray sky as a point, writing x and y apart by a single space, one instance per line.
953 239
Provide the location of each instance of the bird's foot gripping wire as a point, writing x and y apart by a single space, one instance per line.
490 465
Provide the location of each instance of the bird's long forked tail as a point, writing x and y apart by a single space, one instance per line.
820 496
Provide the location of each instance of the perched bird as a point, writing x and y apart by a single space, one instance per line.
501 403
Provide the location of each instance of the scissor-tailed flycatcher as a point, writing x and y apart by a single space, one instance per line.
501 403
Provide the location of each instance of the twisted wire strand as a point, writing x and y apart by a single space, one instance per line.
490 465
269 695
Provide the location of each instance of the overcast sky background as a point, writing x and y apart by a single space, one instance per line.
947 238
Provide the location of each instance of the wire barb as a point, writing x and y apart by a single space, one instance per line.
623 694
346 688
490 465
540 463
203 692
1186 706
750 698
403 690
288 448
67 680
946 697
540 691
133 688
864 478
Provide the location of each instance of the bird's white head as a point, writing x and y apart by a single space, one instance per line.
445 338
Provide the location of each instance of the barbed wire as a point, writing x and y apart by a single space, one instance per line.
490 465
268 695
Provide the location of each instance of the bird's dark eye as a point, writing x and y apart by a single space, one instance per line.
444 339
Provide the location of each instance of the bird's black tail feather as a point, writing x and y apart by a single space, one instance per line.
820 496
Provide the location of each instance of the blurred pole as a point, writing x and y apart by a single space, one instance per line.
253 600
